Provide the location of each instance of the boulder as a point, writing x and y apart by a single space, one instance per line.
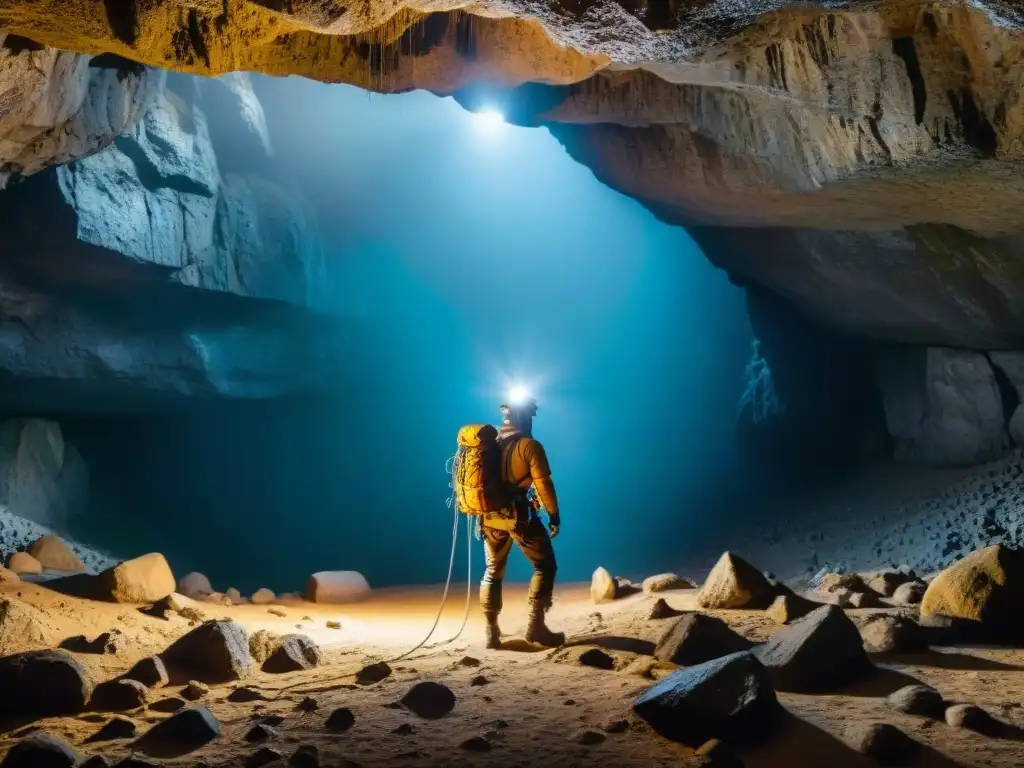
41 750
337 587
818 653
233 596
788 608
971 717
921 700
43 683
892 634
194 585
24 627
909 593
263 644
885 744
214 652
189 728
696 638
149 671
295 653
54 554
885 583
261 732
986 587
195 690
373 673
23 562
118 695
846 599
735 583
729 698
429 700
113 642
666 581
143 579
263 596
305 756
832 582
602 586
264 756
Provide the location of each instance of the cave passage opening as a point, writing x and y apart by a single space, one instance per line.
460 253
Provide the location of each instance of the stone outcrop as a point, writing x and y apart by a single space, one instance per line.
42 477
942 406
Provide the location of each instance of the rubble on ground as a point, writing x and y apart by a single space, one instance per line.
735 583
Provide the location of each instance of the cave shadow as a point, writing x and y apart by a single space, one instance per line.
879 684
800 744
614 643
942 660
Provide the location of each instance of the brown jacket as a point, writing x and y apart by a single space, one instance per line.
524 463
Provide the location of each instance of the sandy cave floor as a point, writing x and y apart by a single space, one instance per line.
536 702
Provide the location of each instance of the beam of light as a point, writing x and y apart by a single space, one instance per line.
489 120
518 394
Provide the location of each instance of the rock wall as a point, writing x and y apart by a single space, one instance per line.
42 477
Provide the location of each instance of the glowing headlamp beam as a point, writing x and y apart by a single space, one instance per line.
518 395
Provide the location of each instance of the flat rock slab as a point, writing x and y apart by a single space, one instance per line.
729 698
821 652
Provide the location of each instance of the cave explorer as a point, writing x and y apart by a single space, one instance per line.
521 466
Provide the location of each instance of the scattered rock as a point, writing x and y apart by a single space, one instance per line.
969 716
264 756
666 581
233 595
624 587
832 582
113 642
885 583
662 610
696 638
263 596
717 754
595 657
405 729
858 600
168 705
729 698
173 605
589 738
910 593
334 625
735 583
43 683
194 585
616 726
476 744
51 552
23 562
195 690
296 652
337 587
40 750
116 728
373 673
469 661
892 634
263 644
118 695
246 693
143 579
602 586
429 700
190 728
307 756
788 608
819 652
308 704
150 671
986 587
214 652
260 732
478 681
340 720
921 700
278 612
882 742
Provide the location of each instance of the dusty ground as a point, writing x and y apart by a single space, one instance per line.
535 703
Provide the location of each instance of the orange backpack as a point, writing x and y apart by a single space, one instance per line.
476 471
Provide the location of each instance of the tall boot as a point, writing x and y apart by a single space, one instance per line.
537 631
493 631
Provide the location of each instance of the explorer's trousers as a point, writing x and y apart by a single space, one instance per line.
532 538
